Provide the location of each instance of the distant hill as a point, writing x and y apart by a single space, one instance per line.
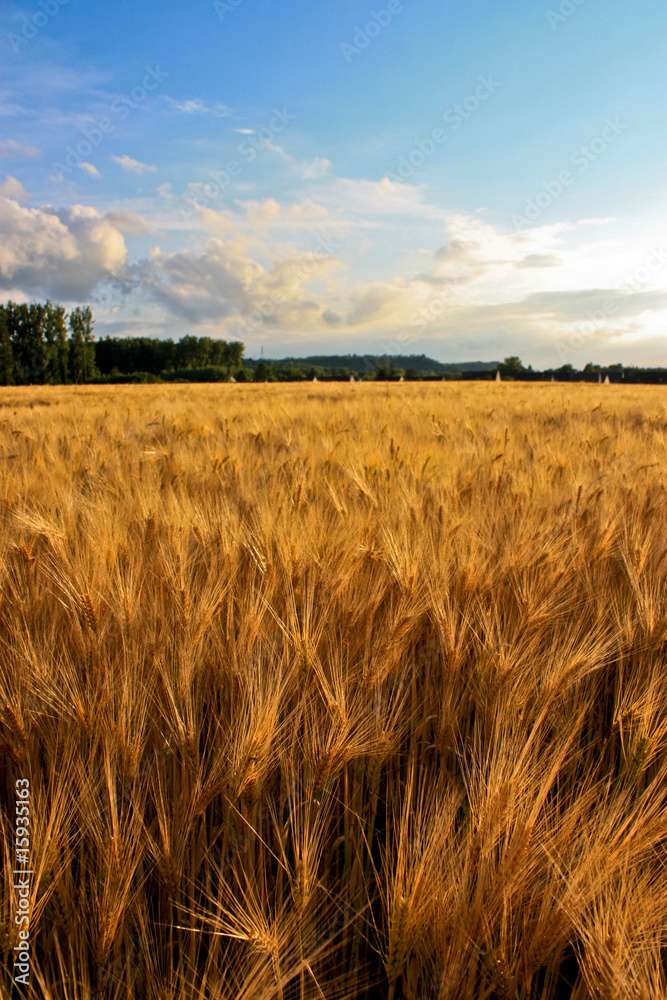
368 363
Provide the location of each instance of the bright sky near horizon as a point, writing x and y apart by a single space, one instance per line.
469 180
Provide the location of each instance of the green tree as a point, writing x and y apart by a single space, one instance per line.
57 347
26 328
262 372
6 354
192 352
384 370
235 351
511 366
82 346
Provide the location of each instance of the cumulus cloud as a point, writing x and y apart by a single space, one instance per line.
271 213
224 280
126 162
63 254
364 261
263 219
256 275
379 302
12 188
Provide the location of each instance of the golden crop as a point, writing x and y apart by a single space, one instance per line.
337 690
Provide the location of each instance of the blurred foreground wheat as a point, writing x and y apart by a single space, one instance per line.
350 691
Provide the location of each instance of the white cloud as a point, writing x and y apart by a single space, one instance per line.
11 109
597 222
126 162
129 223
317 167
89 169
63 254
271 213
11 150
194 106
306 169
12 188
402 270
224 280
477 288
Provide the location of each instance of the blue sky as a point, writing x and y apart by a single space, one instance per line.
470 180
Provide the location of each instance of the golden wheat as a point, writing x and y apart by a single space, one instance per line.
336 691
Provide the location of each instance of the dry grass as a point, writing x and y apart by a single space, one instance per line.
350 691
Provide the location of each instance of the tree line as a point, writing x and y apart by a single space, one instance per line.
40 344
147 355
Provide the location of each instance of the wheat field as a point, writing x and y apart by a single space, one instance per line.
336 690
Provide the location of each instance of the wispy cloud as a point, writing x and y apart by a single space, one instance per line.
12 109
129 223
12 150
89 168
126 162
306 169
194 106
